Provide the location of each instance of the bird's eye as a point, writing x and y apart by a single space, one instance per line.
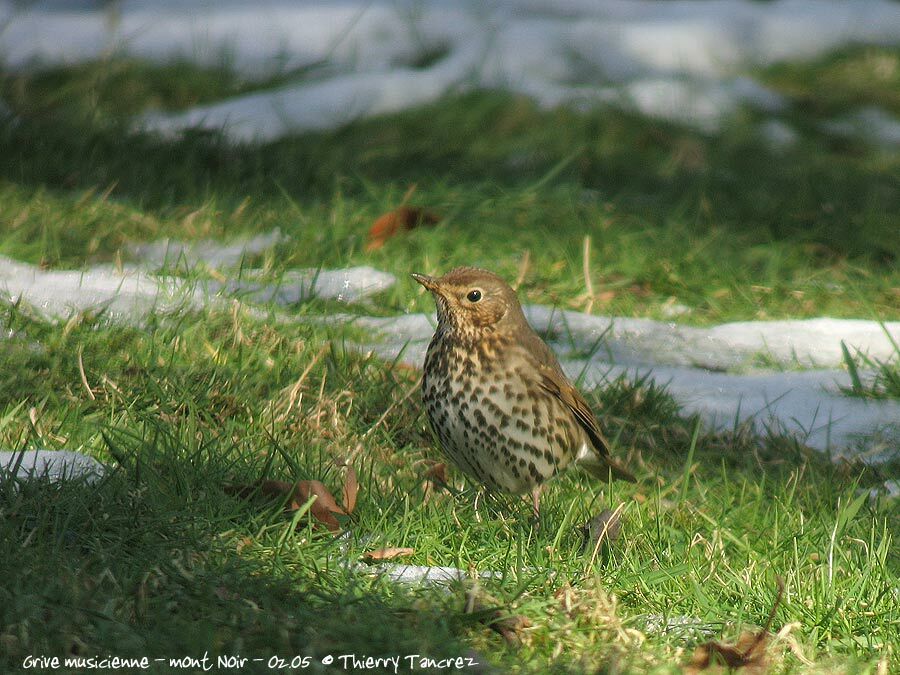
474 295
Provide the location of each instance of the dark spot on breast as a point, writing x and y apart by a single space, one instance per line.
533 449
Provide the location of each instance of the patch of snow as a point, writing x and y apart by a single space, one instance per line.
346 285
889 491
873 125
675 60
52 465
809 343
59 294
703 104
805 404
674 309
316 106
421 574
168 252
691 362
778 135
751 92
131 295
685 627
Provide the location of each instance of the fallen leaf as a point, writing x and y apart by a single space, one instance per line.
9 642
437 474
388 553
600 531
749 652
400 219
605 297
510 626
351 488
605 526
642 290
435 479
226 594
323 508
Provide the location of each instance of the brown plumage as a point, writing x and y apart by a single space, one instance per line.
495 394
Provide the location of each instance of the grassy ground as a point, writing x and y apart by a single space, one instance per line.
162 560
721 225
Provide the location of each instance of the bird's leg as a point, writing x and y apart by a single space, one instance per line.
477 497
536 501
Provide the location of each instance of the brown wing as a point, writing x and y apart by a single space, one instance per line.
554 381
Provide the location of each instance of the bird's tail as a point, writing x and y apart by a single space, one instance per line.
604 467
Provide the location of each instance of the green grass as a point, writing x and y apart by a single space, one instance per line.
161 559
717 224
885 381
855 77
112 89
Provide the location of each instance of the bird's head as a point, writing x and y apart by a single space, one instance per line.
473 302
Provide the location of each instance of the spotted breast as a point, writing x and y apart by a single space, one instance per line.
501 406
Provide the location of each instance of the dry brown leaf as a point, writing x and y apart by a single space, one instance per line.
437 474
388 553
323 508
605 526
510 626
642 290
749 652
601 531
400 219
351 489
605 297
435 479
224 593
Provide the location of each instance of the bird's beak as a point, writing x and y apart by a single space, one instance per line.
428 282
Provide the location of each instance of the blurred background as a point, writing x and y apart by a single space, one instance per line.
733 158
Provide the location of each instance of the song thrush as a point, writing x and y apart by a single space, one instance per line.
495 394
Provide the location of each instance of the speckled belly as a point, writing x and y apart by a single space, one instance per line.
500 428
